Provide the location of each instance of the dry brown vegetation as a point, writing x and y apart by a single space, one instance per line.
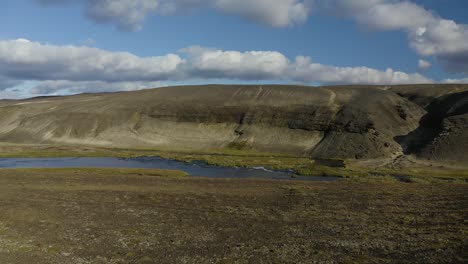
125 216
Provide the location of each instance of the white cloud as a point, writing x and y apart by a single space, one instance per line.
26 60
269 65
447 41
251 65
385 14
428 34
72 87
130 14
423 64
304 70
462 81
75 69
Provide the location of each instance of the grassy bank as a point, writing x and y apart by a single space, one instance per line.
419 175
248 158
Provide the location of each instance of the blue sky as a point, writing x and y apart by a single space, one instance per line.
345 44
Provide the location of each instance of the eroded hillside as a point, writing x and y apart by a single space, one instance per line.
330 122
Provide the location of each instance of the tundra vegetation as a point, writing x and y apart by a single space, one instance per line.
400 153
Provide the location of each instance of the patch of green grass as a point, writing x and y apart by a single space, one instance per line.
238 155
239 145
413 175
427 175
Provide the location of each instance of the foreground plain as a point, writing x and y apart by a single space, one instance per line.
154 216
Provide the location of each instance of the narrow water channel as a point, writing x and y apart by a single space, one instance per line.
194 169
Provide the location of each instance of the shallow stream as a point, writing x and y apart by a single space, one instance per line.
194 169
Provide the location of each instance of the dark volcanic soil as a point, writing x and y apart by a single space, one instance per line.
79 216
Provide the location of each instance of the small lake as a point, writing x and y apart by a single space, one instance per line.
194 169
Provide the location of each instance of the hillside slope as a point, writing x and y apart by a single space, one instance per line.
443 131
328 122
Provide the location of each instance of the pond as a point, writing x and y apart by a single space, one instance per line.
194 169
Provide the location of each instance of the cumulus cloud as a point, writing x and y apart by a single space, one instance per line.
446 40
428 34
440 37
130 14
251 65
423 64
75 69
269 65
305 70
23 59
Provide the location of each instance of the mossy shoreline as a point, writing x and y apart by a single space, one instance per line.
249 158
102 171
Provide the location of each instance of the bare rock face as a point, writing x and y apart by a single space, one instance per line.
323 122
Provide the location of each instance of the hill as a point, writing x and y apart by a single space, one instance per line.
345 122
